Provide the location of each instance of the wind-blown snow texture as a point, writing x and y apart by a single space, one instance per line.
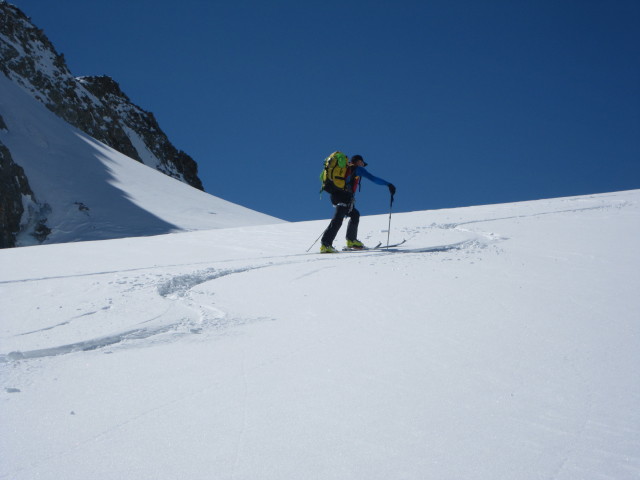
500 342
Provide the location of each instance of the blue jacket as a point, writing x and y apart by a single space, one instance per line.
352 178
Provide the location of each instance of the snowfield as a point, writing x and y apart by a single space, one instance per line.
499 342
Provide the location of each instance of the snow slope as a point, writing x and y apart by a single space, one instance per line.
94 192
500 342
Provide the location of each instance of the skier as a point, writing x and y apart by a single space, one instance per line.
343 199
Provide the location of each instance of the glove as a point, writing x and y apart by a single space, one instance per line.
392 189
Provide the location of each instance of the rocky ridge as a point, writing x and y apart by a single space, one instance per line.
94 104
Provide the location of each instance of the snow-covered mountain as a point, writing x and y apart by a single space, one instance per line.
59 183
96 105
499 342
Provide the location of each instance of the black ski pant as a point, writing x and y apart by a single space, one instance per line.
343 203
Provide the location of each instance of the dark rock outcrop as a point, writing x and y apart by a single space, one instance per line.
15 196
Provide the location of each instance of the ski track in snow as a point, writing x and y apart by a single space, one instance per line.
184 315
194 318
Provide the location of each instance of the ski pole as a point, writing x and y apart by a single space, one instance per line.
314 242
389 228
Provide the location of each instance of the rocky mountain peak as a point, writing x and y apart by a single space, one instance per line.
103 86
94 104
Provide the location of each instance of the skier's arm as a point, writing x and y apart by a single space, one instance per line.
362 172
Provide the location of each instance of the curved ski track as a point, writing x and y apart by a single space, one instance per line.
184 316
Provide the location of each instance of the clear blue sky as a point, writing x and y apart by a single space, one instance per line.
457 102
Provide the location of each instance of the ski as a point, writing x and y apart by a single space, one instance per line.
394 245
363 249
379 246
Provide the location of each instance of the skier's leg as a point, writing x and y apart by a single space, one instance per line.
336 222
354 220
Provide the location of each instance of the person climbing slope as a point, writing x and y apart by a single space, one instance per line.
340 178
